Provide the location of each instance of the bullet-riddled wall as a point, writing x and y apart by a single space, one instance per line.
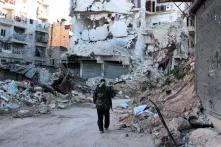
208 55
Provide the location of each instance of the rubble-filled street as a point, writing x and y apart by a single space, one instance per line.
74 127
110 73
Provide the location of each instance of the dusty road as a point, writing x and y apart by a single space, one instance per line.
74 127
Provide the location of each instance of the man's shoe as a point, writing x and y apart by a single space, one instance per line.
101 132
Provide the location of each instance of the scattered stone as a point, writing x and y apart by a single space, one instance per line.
179 124
23 114
24 94
44 109
205 138
63 105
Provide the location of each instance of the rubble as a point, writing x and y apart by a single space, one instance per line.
179 124
204 138
176 98
25 99
23 113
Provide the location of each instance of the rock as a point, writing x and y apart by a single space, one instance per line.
136 127
126 135
120 92
5 98
63 105
23 114
38 95
43 109
62 101
11 106
52 105
49 97
205 138
179 124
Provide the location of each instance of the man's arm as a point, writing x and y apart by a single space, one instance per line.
95 96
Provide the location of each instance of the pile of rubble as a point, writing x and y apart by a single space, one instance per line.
25 99
176 110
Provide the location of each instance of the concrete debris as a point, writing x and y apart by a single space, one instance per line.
176 98
204 138
24 96
123 105
23 113
44 109
179 124
78 97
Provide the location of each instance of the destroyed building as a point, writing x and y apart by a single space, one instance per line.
110 36
24 31
100 38
207 17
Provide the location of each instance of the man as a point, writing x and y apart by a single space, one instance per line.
102 99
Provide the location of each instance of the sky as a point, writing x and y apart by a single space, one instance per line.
59 9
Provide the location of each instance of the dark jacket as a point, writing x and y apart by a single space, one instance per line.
103 97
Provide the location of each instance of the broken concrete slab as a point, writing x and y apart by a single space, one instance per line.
23 114
179 124
205 138
44 109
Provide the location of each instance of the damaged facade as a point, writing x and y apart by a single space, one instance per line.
113 38
101 37
59 40
24 31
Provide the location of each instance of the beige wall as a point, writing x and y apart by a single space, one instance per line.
59 35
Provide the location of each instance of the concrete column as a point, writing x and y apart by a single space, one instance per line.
102 69
81 69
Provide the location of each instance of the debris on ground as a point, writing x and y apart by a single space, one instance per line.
25 99
177 101
204 137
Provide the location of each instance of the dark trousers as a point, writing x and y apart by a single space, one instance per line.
103 116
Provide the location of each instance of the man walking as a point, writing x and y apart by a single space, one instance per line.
102 98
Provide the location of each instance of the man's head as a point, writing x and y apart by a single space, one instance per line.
102 82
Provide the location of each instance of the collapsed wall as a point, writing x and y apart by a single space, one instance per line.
112 30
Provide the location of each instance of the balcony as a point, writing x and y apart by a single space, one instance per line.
6 21
42 28
42 40
11 55
5 38
17 51
20 22
19 38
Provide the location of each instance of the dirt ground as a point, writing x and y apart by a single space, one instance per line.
74 127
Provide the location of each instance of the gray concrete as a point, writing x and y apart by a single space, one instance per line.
208 55
74 127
